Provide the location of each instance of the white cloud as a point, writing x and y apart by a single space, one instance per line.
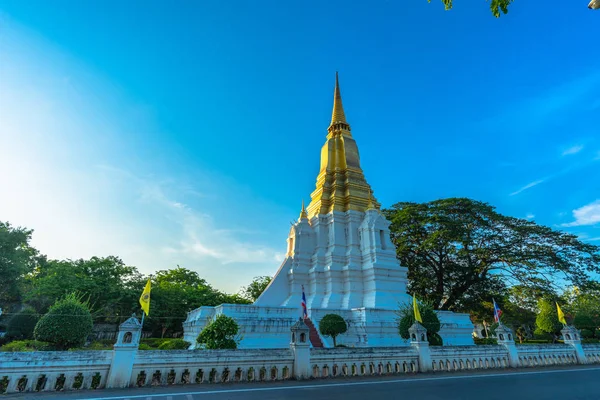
530 216
572 150
528 186
586 215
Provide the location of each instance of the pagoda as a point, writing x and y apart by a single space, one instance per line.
339 252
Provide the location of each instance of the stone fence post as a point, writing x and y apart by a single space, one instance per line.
506 338
571 337
418 340
301 349
124 353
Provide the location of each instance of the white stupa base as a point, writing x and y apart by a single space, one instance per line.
269 327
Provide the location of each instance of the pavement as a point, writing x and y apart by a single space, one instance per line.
564 383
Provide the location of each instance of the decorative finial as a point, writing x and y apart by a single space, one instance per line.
337 116
303 213
370 204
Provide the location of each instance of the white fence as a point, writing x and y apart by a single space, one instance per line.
74 370
127 366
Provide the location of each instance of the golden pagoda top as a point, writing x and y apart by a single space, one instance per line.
341 184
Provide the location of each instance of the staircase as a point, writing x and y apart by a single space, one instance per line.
314 337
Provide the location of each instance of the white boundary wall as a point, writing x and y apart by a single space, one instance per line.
51 371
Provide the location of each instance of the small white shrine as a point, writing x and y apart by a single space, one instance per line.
340 251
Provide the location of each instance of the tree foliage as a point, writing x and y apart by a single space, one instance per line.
459 250
547 318
219 334
332 325
105 281
67 324
17 259
431 322
258 285
496 6
22 324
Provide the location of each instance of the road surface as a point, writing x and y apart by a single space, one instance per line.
575 383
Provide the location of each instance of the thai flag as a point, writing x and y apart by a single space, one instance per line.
497 312
304 311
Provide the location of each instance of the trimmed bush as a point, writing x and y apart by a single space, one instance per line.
485 341
332 325
67 324
22 324
26 345
144 346
219 334
175 344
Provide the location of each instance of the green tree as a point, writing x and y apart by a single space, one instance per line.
219 334
66 325
17 259
108 284
258 285
431 322
174 293
458 249
332 325
22 324
497 6
547 318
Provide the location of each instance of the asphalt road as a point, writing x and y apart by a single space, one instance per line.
577 383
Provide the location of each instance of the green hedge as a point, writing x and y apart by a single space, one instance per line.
26 345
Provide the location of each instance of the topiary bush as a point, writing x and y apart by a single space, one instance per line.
219 334
332 325
175 344
22 324
431 322
67 324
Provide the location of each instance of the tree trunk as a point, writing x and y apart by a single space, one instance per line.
334 345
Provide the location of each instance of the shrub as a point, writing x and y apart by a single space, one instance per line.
547 318
175 344
332 325
584 321
98 345
25 345
67 324
22 324
219 334
485 341
431 322
144 346
587 333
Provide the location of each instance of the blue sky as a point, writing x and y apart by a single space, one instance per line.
190 134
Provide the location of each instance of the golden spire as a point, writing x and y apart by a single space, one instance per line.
303 213
337 116
341 184
370 205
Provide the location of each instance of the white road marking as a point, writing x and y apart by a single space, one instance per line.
329 385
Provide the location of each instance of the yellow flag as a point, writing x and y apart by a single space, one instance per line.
145 298
416 308
561 315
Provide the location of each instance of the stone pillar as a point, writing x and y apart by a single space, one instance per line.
418 340
571 337
300 346
124 353
506 338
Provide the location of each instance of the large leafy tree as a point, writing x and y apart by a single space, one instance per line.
258 285
497 6
107 283
17 259
177 291
459 250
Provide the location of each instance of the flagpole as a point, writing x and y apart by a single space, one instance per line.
143 315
